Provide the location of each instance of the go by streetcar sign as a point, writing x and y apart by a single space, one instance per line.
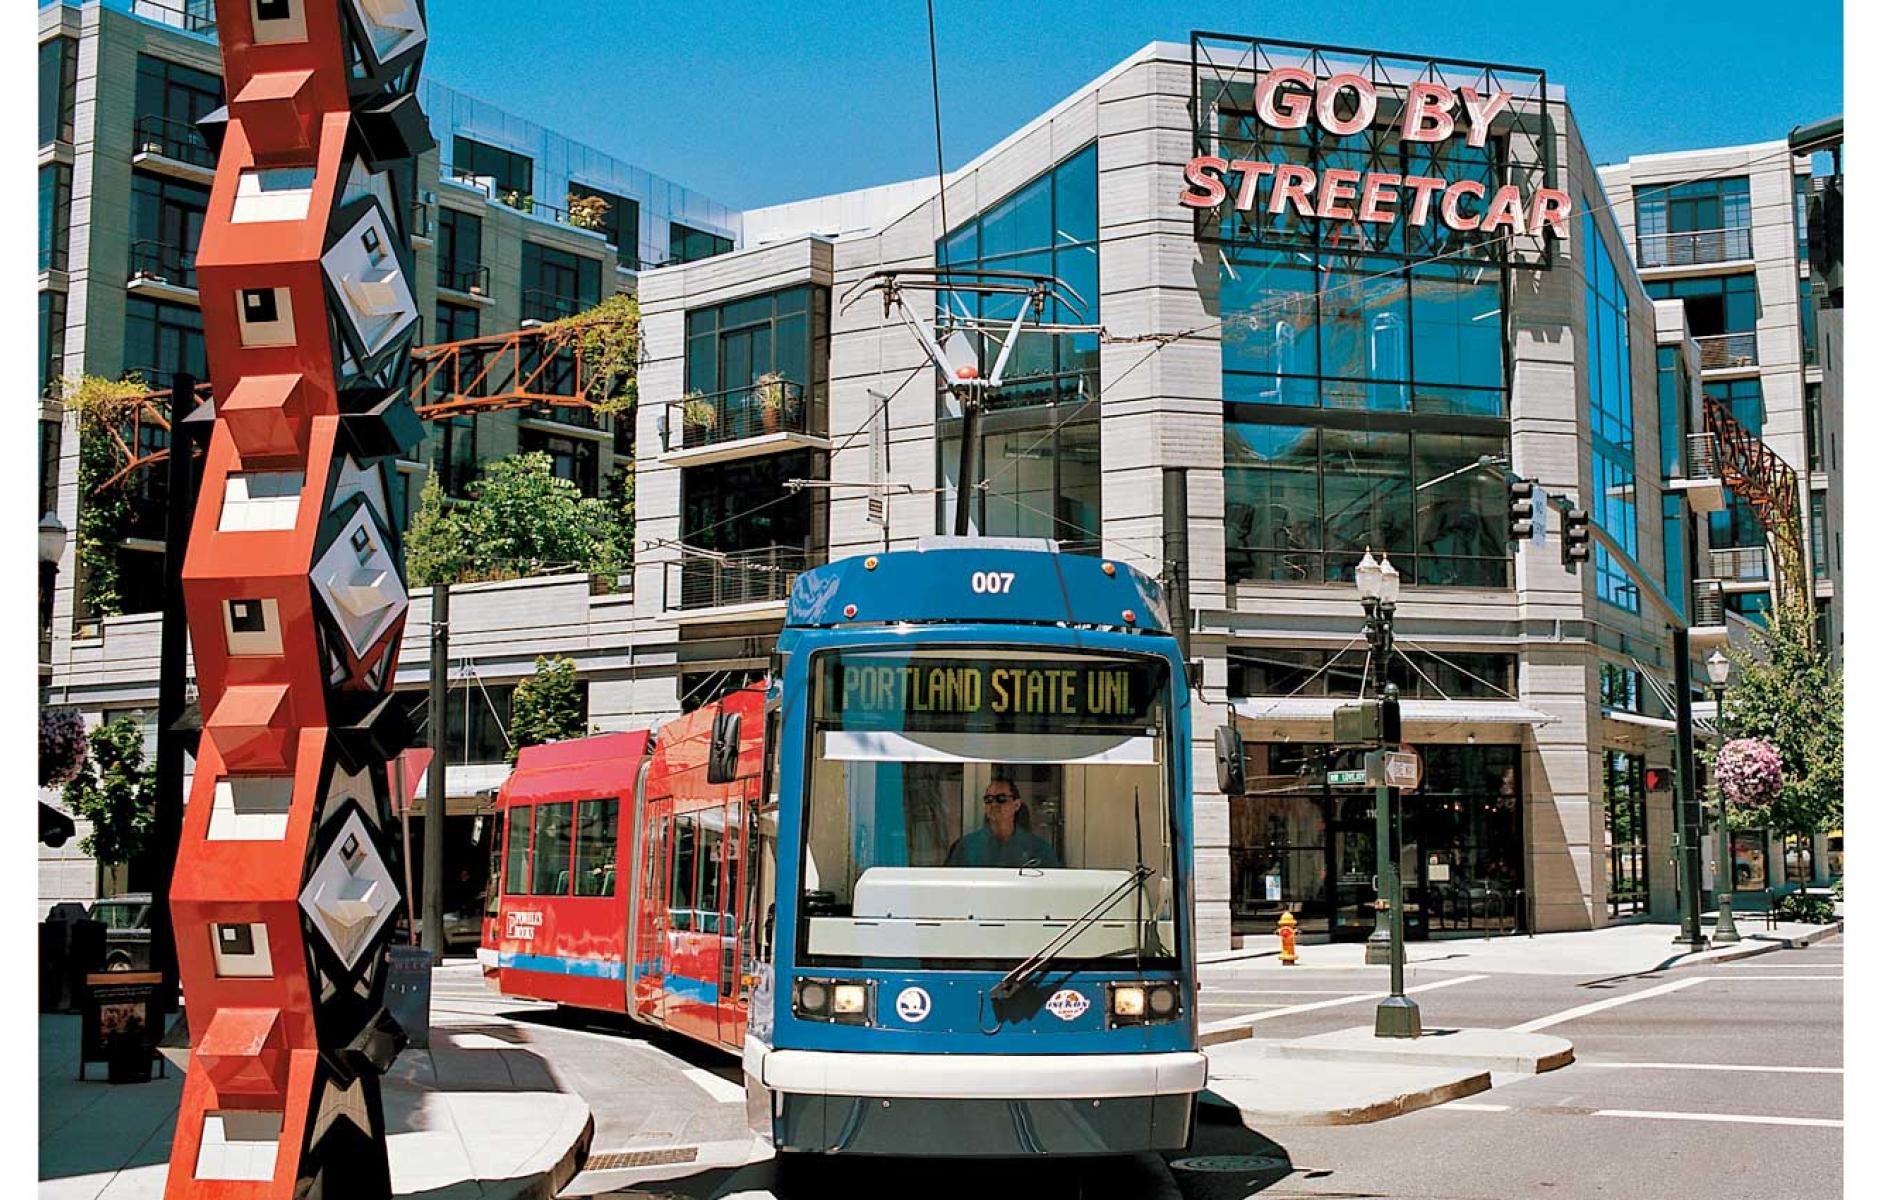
1367 152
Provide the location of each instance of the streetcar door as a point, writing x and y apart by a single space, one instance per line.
731 997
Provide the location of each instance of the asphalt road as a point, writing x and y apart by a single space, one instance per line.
1714 1079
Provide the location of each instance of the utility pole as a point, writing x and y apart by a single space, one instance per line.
1691 929
172 687
434 794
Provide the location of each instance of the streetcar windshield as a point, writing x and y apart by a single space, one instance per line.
966 805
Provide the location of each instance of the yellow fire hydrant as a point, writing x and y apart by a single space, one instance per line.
1288 933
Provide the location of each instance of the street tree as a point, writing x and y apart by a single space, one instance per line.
116 791
1787 691
521 520
546 707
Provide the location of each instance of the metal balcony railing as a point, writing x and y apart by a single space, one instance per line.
754 410
190 16
1740 564
700 579
160 262
1700 456
471 278
175 140
1694 247
1707 606
579 416
1723 351
539 304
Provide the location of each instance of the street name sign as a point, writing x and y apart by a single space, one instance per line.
1346 778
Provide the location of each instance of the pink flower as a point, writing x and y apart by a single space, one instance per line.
1749 772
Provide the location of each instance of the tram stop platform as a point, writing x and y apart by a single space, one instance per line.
1352 1076
475 1117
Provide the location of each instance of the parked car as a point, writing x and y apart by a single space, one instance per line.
126 921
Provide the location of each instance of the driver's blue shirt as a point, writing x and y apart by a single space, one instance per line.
980 849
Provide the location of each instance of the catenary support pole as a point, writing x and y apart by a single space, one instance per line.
969 438
166 831
1175 555
1691 930
435 792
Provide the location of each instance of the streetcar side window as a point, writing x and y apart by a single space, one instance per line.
554 838
711 854
596 838
684 870
516 876
492 888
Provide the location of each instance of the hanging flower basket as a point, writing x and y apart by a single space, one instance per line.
62 746
1749 772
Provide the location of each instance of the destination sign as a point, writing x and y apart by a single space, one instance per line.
957 693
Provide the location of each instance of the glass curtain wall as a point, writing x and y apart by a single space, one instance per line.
1609 392
1628 889
1707 220
1039 450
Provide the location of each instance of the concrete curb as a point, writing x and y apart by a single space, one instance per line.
547 1182
1478 1049
1253 1115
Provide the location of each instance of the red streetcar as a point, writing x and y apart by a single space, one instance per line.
617 875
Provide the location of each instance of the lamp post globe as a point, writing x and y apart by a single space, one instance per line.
1388 580
1370 578
52 538
1718 664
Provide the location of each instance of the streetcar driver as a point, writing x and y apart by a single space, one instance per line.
1000 842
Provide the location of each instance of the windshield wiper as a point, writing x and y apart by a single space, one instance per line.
1021 975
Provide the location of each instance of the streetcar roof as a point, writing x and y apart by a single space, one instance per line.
604 765
957 580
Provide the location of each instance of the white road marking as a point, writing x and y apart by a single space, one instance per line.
1206 992
1357 998
1669 1066
1471 1106
1775 978
716 1086
1734 1118
1585 1010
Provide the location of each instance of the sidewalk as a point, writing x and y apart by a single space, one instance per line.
1612 951
473 1118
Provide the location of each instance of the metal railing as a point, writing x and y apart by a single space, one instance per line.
1707 606
1722 351
196 16
701 579
1739 564
176 140
579 416
540 304
470 278
1694 247
754 410
160 262
1700 456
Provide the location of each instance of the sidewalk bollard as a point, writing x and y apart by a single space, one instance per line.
1288 933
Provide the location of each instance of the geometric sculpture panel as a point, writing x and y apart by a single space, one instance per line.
286 885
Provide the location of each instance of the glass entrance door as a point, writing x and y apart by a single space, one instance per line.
1354 866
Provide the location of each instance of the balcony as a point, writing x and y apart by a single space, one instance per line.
172 148
190 16
539 304
1739 564
758 418
702 580
1709 624
1694 248
1699 478
160 269
470 279
1727 351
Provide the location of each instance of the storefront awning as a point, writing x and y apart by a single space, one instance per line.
1420 712
1702 723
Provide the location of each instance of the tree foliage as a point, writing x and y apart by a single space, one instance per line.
547 706
116 791
62 746
520 520
1788 692
102 405
608 337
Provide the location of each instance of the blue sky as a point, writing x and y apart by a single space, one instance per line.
757 103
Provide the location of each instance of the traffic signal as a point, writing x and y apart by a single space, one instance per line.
1576 540
1521 512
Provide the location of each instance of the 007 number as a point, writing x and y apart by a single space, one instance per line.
993 583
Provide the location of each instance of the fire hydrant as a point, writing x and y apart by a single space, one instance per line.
1288 932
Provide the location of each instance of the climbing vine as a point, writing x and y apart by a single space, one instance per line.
101 405
608 336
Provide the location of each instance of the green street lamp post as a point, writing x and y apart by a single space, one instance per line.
1725 934
1397 1014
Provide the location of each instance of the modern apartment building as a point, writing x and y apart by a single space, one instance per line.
1725 231
1240 402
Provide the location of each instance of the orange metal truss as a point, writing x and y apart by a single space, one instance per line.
127 435
1760 476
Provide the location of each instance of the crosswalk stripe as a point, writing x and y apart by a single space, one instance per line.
1730 1118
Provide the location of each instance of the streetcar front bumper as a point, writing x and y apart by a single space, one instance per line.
975 1105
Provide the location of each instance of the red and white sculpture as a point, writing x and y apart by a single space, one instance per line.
285 890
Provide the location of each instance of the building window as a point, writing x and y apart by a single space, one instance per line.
1609 390
557 284
1043 482
689 244
1674 407
171 98
575 459
743 506
1721 312
1678 551
460 252
454 454
1744 399
1619 688
1818 531
58 89
166 227
476 716
55 216
50 436
1704 221
51 340
497 172
161 339
729 346
1811 404
619 222
456 322
1628 888
1806 306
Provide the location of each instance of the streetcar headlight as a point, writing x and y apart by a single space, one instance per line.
1127 1001
1165 1002
1145 1002
842 1000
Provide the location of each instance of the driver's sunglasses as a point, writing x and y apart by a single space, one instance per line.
990 799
